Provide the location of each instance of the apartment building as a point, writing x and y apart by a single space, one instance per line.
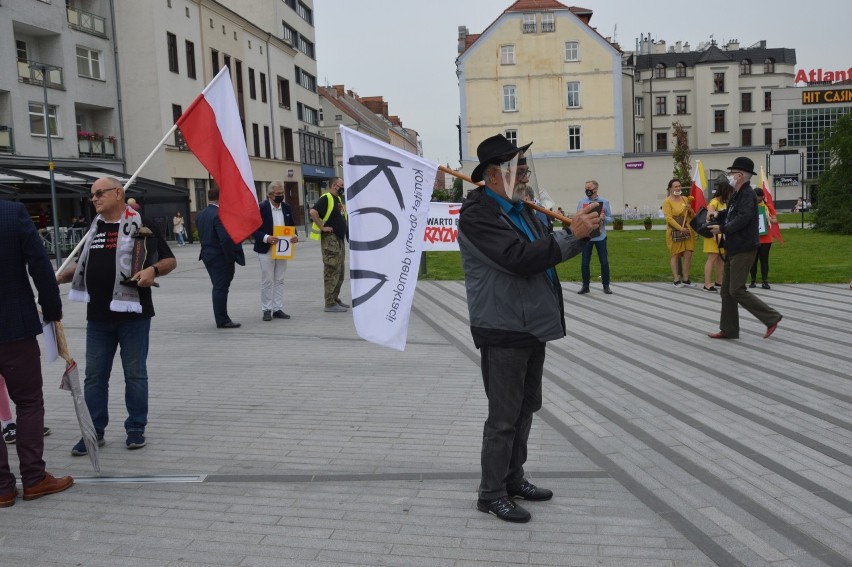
541 73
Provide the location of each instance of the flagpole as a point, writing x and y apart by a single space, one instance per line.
126 185
565 220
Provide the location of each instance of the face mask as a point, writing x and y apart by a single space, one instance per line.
278 199
677 192
732 179
589 193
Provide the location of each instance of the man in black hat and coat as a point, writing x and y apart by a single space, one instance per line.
741 244
515 305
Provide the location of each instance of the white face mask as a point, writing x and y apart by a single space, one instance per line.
732 179
677 192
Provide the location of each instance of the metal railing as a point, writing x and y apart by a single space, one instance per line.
96 148
27 73
86 21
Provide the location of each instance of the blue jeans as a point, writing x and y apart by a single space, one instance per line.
600 246
102 340
512 380
179 238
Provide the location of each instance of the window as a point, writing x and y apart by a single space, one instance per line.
767 100
190 59
306 80
662 141
745 136
680 102
660 106
88 63
37 119
214 59
638 107
171 41
226 61
266 145
660 71
572 51
305 46
252 88
307 114
529 23
574 95
745 102
510 102
718 120
548 22
745 67
263 87
769 65
507 55
200 194
255 136
767 136
21 50
287 143
718 82
574 139
177 110
512 136
283 93
305 13
680 70
639 143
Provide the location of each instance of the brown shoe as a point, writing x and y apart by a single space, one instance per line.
8 498
48 485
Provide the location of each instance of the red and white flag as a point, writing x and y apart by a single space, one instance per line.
774 229
212 129
699 182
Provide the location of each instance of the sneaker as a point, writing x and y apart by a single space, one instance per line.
135 440
335 309
711 288
10 434
280 315
80 448
676 284
340 303
46 431
504 509
528 491
687 283
752 285
765 285
583 291
267 315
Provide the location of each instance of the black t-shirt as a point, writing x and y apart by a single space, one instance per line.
336 221
100 272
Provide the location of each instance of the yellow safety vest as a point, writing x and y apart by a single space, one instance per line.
316 232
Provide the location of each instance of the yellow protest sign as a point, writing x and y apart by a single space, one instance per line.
284 249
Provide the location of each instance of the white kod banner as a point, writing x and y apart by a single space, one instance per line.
387 200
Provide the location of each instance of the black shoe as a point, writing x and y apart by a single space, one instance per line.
280 315
752 285
10 433
607 290
765 285
340 303
80 448
230 325
504 509
267 315
583 290
528 491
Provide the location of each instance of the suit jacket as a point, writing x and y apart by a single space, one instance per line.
266 226
21 250
215 241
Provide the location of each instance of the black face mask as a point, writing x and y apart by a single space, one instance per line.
589 193
278 199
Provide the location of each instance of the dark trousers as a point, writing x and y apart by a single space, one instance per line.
221 275
763 258
20 364
603 256
735 293
512 380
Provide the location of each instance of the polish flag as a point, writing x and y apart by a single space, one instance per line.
699 182
212 129
774 229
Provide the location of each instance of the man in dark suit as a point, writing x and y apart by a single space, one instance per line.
219 254
21 250
274 212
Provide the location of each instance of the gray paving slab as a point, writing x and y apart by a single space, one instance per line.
308 446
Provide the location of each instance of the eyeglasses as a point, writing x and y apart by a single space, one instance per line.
100 193
523 172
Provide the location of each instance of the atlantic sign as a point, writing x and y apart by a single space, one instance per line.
822 76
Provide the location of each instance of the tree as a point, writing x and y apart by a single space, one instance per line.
682 155
834 213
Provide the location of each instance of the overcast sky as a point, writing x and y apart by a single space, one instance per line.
405 50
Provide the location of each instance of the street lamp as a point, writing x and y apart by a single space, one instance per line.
44 68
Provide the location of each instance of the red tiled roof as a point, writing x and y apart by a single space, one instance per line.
534 5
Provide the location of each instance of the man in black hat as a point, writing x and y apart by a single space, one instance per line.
741 244
515 305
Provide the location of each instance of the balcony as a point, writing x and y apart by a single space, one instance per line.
7 140
28 72
96 146
86 22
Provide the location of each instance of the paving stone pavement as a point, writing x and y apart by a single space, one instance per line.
293 442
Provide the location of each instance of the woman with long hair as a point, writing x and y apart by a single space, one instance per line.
679 236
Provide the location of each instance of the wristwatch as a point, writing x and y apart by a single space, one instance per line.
156 271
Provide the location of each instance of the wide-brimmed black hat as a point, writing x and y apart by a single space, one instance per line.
743 164
494 150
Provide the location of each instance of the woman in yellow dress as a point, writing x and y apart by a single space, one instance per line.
714 261
679 236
